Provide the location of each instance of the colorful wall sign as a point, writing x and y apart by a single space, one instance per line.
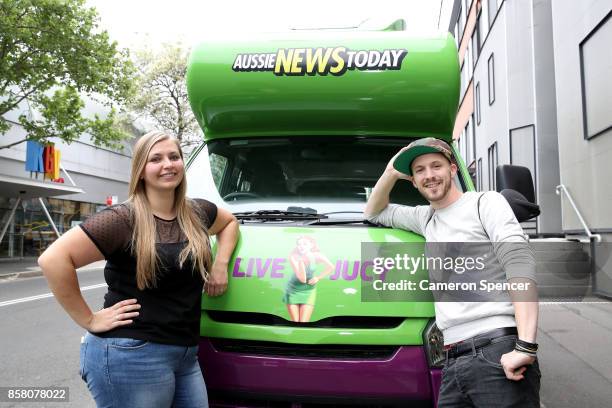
43 159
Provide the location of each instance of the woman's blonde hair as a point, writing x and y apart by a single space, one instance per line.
144 230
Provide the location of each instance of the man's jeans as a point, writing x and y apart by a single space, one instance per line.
477 379
129 373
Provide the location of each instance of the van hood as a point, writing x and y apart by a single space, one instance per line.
262 278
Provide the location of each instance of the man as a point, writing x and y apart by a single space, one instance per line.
490 346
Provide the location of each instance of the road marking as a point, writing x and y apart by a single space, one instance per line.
44 296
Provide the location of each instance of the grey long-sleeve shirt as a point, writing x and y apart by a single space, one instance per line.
459 222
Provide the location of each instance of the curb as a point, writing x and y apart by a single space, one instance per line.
19 275
32 274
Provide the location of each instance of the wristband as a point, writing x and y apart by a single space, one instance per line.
533 347
526 348
524 351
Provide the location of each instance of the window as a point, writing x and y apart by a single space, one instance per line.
522 149
464 80
492 157
460 27
471 141
484 21
492 5
479 175
477 38
595 68
457 34
473 137
491 72
217 167
468 61
477 103
474 49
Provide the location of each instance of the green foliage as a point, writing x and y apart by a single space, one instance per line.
162 97
51 52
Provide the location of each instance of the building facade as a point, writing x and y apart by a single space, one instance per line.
536 91
582 32
28 202
508 110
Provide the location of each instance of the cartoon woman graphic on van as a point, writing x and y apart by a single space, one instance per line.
301 291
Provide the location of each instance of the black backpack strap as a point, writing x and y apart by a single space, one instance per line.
428 219
480 219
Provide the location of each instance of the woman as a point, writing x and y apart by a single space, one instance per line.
301 293
141 348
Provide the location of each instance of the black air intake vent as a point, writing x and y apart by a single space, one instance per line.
336 322
304 351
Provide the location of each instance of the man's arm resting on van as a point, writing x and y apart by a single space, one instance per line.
379 197
225 228
59 263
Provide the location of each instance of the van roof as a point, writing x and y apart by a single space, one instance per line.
326 83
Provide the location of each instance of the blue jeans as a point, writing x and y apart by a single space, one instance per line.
129 373
477 379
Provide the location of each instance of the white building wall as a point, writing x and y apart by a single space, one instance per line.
586 165
524 100
494 118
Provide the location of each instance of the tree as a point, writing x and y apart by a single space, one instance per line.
162 97
51 53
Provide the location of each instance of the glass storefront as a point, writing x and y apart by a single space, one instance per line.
30 232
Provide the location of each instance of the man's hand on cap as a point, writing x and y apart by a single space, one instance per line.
391 170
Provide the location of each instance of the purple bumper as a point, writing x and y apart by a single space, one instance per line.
405 376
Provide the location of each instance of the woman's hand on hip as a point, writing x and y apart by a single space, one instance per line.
217 280
119 314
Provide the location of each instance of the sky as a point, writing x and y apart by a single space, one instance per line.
134 23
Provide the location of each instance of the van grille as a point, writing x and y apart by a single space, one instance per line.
331 351
335 322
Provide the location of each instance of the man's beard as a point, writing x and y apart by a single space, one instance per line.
441 191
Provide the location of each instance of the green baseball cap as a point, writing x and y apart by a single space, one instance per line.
403 162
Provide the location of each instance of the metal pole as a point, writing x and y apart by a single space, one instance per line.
562 187
10 219
42 203
67 175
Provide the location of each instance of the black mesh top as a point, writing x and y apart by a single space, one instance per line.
170 312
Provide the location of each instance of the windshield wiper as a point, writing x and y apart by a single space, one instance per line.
279 215
339 221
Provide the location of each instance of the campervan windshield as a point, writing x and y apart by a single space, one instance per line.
299 169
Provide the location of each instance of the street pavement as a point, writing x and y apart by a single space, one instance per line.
39 344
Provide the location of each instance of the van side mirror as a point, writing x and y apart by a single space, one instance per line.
516 185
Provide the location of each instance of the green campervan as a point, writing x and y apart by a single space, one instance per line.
296 132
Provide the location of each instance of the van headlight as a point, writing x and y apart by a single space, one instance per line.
434 345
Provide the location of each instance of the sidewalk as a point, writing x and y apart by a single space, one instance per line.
576 366
28 267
